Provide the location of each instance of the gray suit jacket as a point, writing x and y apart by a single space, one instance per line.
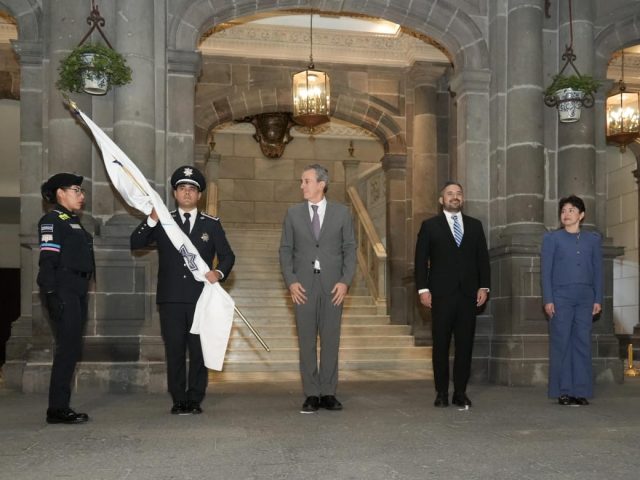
335 249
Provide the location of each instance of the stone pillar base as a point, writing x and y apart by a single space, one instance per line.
523 360
115 377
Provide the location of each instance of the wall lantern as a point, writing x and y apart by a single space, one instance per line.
623 125
311 92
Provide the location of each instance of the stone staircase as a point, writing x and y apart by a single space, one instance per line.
370 346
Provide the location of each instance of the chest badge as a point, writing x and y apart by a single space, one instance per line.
205 237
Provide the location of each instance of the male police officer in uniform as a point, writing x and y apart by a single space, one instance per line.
66 266
178 291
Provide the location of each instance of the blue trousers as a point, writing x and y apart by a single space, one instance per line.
570 371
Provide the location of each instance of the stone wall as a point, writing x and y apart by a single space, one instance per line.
622 229
254 189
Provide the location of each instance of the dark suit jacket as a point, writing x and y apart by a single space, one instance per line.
335 249
175 281
443 267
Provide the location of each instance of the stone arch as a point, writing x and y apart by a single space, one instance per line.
438 19
359 109
28 16
617 35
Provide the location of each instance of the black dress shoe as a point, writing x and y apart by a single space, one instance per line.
567 401
461 400
580 401
330 402
180 408
194 408
442 400
310 405
65 415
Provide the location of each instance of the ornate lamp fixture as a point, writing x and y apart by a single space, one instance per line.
623 118
310 90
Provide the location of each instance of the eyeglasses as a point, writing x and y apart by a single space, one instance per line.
77 190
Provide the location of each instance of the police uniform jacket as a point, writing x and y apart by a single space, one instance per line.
175 281
66 252
571 259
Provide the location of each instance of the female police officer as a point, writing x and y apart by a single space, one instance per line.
66 265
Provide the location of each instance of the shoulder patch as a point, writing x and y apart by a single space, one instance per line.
46 227
64 216
202 215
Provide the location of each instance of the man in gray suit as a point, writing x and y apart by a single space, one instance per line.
318 261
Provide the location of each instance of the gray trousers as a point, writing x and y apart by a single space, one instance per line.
318 316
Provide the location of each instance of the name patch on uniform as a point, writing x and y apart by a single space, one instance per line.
46 227
75 225
64 216
46 238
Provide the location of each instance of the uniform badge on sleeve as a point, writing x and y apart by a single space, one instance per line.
46 238
46 227
205 237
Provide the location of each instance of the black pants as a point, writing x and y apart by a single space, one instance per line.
453 314
175 323
68 329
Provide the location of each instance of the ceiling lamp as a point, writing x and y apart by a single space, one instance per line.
623 125
310 89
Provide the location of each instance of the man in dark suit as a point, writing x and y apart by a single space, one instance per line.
178 291
318 261
453 277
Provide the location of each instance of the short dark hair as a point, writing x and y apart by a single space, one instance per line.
573 200
448 183
322 174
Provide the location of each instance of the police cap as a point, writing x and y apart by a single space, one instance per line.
190 175
59 180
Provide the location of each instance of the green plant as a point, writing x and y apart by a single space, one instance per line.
585 83
106 61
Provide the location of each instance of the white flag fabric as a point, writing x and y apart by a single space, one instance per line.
214 310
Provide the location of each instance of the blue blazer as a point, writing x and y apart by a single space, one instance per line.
571 259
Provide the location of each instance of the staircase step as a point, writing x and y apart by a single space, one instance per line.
347 319
253 311
237 343
346 353
404 372
350 364
267 331
281 299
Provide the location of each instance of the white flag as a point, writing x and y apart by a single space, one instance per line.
214 310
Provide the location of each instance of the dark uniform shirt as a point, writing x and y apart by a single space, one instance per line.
66 249
175 281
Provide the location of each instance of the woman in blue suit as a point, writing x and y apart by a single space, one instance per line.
572 295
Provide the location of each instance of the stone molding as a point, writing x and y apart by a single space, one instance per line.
29 53
292 43
470 81
394 162
183 61
335 129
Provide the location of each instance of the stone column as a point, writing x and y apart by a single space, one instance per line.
519 342
183 68
23 335
135 116
576 141
394 166
422 181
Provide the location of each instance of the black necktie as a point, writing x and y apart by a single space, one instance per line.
186 225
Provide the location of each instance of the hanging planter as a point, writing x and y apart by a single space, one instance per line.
569 94
92 68
94 82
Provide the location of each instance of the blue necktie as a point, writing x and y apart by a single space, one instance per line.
315 222
457 230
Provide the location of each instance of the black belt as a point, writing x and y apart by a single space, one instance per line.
77 272
316 270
